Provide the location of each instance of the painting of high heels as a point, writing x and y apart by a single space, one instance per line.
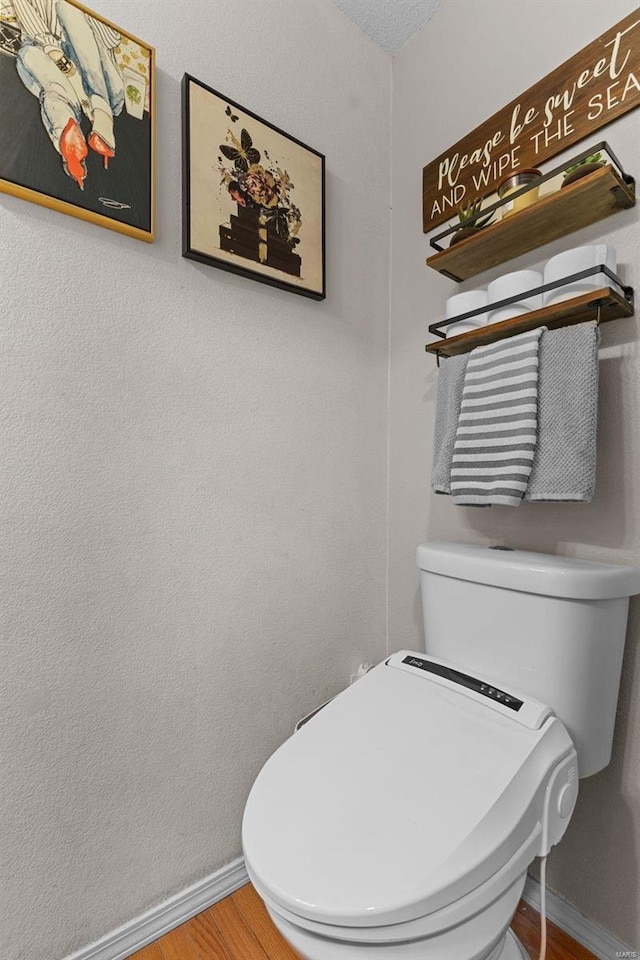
64 108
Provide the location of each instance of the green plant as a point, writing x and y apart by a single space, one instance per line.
592 158
467 212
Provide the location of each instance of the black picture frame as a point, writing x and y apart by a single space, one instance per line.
239 167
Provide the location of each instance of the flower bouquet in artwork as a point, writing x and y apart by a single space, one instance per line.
267 223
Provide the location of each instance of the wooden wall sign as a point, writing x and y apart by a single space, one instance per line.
594 87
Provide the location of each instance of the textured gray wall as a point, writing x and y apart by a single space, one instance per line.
193 490
468 62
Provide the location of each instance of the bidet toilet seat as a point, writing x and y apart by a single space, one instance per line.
453 915
402 797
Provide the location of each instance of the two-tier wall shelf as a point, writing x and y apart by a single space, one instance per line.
598 195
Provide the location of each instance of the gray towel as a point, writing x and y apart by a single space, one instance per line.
498 424
564 466
450 384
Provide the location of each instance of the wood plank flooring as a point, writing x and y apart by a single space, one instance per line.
239 928
560 946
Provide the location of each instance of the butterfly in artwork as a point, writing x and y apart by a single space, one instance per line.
234 116
243 153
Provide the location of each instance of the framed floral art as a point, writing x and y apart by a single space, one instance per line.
253 196
77 114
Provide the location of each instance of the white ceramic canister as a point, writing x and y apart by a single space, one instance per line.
574 261
510 285
461 303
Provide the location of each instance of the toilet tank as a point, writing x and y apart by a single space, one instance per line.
548 626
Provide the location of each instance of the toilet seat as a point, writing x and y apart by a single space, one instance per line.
479 900
407 794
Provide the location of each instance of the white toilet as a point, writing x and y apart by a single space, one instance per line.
399 822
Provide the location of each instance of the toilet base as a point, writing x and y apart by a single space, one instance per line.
509 948
480 934
513 949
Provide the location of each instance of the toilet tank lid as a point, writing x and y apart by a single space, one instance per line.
529 572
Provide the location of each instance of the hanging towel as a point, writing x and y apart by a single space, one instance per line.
498 425
450 384
564 465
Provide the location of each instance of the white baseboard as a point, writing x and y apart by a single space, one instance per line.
137 933
592 936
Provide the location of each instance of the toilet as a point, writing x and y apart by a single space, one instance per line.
399 822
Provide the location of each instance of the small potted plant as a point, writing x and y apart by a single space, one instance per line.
575 171
468 226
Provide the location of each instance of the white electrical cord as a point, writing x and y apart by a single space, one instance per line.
543 909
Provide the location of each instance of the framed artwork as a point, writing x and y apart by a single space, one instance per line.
253 196
77 114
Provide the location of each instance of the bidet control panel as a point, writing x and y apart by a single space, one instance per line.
518 708
471 683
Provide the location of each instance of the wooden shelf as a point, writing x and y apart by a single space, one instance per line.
586 201
613 305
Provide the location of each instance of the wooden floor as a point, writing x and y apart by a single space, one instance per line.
239 928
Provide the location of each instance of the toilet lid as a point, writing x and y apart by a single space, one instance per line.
406 792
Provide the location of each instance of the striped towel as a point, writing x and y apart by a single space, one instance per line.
498 426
